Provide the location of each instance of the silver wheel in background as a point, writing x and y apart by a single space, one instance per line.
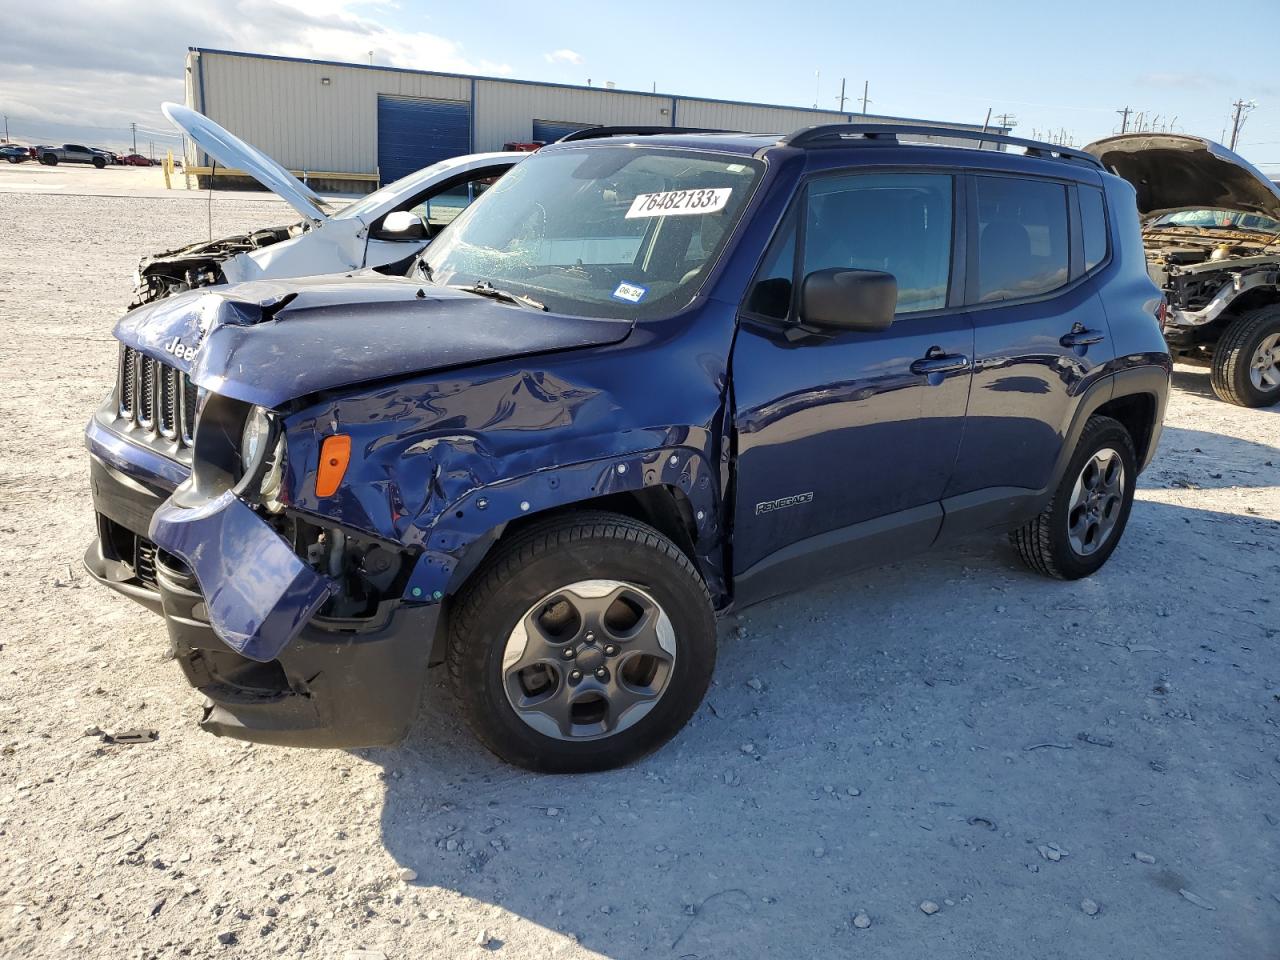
1096 500
589 660
1264 367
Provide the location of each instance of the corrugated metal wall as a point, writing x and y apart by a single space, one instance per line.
749 118
283 107
505 111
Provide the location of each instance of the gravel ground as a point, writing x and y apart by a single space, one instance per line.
1063 770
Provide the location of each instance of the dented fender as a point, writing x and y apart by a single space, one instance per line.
440 464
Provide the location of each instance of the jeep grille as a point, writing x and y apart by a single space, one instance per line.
158 398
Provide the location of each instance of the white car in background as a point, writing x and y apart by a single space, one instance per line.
385 229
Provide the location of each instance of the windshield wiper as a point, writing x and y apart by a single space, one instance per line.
486 289
424 268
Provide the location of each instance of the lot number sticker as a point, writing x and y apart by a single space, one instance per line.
679 202
630 292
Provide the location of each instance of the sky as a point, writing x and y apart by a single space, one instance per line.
85 69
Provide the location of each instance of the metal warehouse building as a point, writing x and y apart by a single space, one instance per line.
350 126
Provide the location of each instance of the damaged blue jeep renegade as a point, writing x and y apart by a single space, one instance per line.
644 378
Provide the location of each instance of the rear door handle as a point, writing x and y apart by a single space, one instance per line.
1080 337
935 361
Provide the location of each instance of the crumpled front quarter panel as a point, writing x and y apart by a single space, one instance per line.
258 592
438 461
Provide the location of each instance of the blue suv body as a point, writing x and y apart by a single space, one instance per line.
646 377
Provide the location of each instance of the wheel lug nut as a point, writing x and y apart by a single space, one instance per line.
567 653
602 674
610 650
590 638
575 676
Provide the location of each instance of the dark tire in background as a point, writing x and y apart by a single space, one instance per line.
99 162
582 643
49 159
1246 361
1080 527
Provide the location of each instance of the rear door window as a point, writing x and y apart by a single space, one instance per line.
1093 224
1022 238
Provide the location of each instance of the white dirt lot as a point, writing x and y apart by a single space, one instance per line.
954 730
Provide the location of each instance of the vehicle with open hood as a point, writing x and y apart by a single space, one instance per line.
383 230
646 378
1211 225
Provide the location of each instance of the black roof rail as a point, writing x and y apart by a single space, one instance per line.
593 133
838 134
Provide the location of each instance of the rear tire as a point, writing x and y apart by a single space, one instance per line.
49 159
532 603
1246 361
1075 534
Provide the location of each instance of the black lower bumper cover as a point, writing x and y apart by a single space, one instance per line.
338 684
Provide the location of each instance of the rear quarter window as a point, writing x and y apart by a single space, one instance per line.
1022 238
1093 225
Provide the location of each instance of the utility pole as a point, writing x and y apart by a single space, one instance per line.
1242 108
6 128
866 85
1124 119
842 96
1007 120
133 127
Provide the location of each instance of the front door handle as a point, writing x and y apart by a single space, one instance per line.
935 361
1080 337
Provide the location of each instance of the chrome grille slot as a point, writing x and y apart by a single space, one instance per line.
128 381
146 395
187 406
167 408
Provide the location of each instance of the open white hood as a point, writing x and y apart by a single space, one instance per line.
232 152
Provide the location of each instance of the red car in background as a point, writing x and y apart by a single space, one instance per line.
135 160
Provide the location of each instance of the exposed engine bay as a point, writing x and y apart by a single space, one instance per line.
200 264
1203 270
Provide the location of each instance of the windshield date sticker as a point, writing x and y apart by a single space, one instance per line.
630 292
675 203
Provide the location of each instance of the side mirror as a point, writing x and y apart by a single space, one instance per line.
402 225
849 299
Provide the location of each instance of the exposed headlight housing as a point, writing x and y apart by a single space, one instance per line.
254 441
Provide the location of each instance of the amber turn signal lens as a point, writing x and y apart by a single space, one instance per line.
335 453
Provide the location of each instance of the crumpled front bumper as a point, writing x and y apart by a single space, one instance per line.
258 592
242 617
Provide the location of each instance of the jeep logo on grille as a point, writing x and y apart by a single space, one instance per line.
180 350
768 506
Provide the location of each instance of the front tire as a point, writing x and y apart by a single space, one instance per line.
1075 534
99 162
49 159
582 644
1246 361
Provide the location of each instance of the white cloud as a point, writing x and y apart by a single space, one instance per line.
101 64
563 55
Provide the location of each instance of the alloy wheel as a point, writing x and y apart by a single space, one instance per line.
1096 502
589 660
1264 368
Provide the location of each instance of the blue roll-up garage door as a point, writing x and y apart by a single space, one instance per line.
549 131
414 132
